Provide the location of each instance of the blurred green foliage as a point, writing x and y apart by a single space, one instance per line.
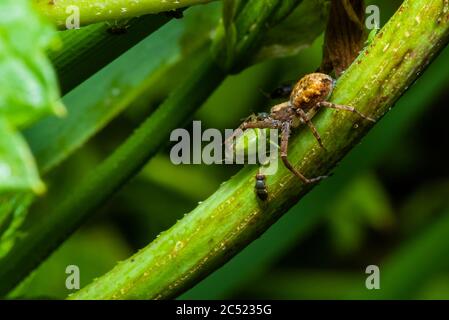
28 90
109 248
387 203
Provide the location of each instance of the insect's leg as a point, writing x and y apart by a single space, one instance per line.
310 124
285 135
345 108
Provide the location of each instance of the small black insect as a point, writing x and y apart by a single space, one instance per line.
261 187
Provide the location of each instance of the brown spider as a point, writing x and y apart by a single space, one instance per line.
308 95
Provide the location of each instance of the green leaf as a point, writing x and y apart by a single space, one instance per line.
28 85
28 90
17 168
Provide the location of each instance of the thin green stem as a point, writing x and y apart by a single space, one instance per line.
236 42
90 11
87 50
233 217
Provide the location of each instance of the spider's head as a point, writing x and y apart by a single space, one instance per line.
311 90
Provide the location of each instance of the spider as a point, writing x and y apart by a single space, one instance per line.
308 95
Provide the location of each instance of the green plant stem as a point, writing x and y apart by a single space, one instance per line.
236 43
307 215
103 10
113 173
87 50
45 235
233 217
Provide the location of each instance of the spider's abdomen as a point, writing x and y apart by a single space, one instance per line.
311 90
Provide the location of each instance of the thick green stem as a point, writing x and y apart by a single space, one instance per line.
102 10
233 217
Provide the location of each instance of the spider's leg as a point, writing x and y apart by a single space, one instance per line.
253 123
267 123
345 108
285 135
310 124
